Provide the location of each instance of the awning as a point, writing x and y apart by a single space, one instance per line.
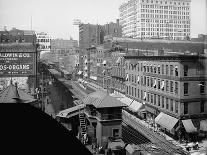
85 68
135 106
166 121
189 127
203 125
104 62
118 60
80 72
93 77
126 100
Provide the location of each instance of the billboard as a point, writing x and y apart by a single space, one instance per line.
17 62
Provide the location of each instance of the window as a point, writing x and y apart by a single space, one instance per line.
185 70
202 103
155 99
138 93
167 85
129 90
176 87
158 84
151 69
171 104
141 94
202 87
176 71
171 86
155 69
115 132
135 92
148 82
152 98
151 81
163 101
167 70
185 107
176 107
162 69
148 97
132 91
185 88
167 103
171 69
158 100
158 69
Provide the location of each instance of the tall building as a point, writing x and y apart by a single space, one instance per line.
90 34
156 19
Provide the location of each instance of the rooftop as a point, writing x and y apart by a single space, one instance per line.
101 99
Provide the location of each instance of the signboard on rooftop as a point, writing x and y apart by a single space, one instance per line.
17 60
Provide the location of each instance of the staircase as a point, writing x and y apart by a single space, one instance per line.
82 123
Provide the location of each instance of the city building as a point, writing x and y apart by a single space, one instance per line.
44 41
104 116
118 71
93 35
156 45
156 19
172 88
16 35
63 44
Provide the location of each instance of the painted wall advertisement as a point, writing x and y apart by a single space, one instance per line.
17 64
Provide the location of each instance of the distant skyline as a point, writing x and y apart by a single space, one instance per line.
56 16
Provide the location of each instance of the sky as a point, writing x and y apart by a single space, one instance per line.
56 16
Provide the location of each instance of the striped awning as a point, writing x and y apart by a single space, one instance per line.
80 72
135 106
188 125
166 121
203 125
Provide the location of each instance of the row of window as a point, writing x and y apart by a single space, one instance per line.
166 2
154 99
162 69
160 101
156 83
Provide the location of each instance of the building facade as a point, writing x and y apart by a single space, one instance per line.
156 19
44 41
173 86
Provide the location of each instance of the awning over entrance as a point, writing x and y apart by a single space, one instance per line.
80 72
203 125
166 121
189 127
125 100
135 106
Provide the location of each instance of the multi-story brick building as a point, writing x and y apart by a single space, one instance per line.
93 35
173 89
118 71
156 19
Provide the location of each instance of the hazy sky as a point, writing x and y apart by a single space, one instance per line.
56 16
